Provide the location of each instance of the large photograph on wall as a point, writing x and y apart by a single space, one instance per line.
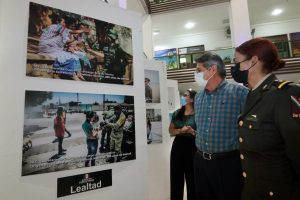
168 56
65 131
65 45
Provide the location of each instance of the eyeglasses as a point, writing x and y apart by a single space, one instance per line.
235 62
186 95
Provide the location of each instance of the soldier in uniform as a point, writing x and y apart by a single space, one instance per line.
115 59
116 136
269 126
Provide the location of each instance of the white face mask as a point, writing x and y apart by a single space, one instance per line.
199 78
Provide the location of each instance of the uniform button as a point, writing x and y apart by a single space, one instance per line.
250 126
242 156
240 139
244 174
241 123
271 193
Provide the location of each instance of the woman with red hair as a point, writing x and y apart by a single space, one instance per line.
269 126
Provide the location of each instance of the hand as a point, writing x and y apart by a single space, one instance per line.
184 129
191 131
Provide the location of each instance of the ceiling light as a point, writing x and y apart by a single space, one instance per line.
276 12
189 25
156 32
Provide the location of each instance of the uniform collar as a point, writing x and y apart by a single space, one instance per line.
261 81
266 84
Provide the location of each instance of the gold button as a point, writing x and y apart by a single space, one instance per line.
250 126
242 156
271 193
241 123
244 174
240 139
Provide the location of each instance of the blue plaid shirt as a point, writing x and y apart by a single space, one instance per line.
216 115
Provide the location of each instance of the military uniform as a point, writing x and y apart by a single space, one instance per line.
269 136
116 136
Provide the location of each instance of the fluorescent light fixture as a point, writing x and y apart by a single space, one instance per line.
276 12
189 25
156 32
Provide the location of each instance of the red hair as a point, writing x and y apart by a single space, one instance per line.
266 52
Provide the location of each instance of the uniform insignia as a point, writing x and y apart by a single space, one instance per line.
265 87
281 84
252 118
295 107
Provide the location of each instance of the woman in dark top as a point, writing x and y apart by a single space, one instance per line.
183 126
269 126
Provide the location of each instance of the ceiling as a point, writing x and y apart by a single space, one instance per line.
171 23
163 6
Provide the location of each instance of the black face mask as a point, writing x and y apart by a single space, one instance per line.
238 75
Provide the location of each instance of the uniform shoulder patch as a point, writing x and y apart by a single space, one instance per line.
295 106
281 84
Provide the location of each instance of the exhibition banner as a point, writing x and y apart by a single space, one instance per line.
83 183
65 45
64 131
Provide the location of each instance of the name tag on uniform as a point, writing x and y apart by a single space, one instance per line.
295 107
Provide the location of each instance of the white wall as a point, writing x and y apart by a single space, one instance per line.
216 39
159 154
277 28
211 40
130 179
147 36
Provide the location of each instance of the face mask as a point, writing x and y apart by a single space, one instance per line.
182 101
238 75
199 78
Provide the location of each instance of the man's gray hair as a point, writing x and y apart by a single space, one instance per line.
208 59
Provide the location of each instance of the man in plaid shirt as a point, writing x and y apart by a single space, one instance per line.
217 166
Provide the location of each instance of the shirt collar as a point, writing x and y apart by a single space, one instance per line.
221 85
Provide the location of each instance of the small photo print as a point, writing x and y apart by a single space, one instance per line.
154 126
152 92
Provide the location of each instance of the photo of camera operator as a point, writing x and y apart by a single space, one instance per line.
91 133
116 136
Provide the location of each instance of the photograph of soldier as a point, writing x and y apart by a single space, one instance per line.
148 91
44 121
116 136
64 45
154 126
152 91
108 117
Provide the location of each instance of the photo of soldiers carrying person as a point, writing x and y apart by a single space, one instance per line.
102 127
64 45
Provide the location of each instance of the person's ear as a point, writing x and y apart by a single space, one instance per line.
254 59
213 68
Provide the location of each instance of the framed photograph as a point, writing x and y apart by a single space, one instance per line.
64 131
154 126
295 44
168 56
152 86
65 45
